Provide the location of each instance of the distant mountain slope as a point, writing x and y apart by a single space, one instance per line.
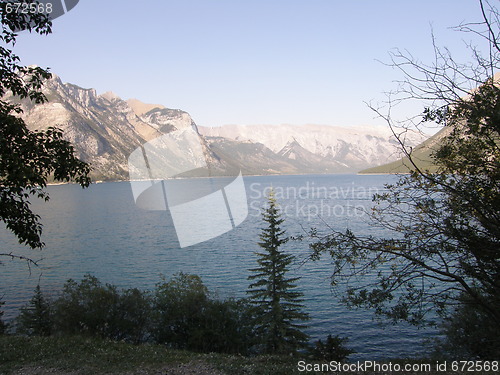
105 129
421 156
254 158
319 148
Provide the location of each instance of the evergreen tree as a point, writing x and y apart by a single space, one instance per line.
277 305
36 317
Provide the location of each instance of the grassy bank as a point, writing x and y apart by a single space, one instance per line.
80 355
76 355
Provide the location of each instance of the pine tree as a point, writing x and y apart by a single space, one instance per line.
277 305
36 317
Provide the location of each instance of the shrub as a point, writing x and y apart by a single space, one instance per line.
3 326
224 328
102 310
179 305
469 333
133 320
333 349
187 317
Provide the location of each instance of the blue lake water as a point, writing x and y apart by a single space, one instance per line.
101 231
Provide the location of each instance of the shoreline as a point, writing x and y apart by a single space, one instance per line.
372 174
222 176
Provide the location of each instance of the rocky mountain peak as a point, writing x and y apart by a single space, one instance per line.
167 120
110 96
104 128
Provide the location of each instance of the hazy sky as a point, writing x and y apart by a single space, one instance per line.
246 61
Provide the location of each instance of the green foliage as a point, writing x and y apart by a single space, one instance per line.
333 349
28 158
441 243
3 326
89 307
447 223
187 317
179 305
133 320
443 228
181 314
36 317
230 327
470 333
277 305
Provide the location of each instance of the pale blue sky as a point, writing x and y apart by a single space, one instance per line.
246 62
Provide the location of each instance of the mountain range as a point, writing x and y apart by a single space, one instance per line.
105 129
316 148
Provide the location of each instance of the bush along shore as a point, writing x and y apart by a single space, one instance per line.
178 328
94 326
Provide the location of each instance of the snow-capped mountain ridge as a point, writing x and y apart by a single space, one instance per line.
352 147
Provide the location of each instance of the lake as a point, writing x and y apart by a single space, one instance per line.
102 231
